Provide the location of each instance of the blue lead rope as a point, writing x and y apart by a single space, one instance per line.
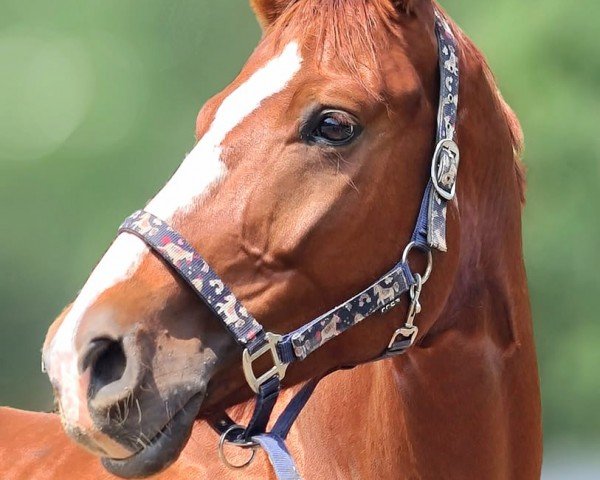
279 456
273 443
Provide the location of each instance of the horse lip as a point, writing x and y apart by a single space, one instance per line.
164 448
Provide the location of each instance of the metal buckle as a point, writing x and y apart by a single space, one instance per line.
445 168
409 331
278 367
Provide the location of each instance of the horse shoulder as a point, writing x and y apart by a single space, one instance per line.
33 446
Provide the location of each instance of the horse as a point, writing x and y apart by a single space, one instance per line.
304 187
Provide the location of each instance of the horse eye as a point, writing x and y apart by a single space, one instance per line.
335 128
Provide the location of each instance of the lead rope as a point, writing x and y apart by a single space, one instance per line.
273 442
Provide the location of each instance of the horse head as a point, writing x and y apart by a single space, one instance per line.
303 188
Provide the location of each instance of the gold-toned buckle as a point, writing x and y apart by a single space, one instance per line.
278 367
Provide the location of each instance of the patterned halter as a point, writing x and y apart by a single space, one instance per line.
380 296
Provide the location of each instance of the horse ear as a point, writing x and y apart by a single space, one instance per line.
267 11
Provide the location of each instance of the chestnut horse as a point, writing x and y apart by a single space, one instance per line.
303 187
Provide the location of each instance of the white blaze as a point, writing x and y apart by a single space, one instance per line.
201 168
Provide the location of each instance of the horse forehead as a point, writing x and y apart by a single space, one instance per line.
243 97
267 71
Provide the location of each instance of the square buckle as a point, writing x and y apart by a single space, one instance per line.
408 333
444 168
278 367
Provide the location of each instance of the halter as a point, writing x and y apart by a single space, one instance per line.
381 296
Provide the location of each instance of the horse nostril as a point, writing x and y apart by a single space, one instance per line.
107 361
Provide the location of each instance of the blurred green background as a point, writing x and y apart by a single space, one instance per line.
97 107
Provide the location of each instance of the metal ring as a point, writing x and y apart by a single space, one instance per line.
252 445
415 290
424 276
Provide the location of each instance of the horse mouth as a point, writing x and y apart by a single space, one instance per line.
163 449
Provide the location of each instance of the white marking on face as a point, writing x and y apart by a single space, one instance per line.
200 169
121 260
191 177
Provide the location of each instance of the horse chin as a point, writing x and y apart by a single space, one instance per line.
163 449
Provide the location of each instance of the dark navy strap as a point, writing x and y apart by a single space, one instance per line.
378 296
194 270
223 422
430 231
265 401
272 442
292 410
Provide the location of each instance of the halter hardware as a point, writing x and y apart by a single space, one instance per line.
420 279
245 445
278 368
444 168
428 269
405 336
381 296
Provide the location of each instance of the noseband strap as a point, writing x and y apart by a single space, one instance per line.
380 296
189 265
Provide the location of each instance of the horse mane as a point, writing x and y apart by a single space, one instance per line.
357 31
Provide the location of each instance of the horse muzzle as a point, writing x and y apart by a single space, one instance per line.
133 399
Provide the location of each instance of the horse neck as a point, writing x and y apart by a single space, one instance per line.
465 401
470 391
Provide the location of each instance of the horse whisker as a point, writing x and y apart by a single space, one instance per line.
139 409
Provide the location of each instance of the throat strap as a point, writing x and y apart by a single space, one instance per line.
273 442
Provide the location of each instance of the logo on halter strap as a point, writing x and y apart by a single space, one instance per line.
444 168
